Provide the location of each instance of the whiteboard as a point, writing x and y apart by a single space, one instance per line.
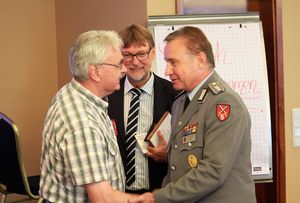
239 52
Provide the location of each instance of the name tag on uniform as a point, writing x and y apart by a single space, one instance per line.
189 138
189 133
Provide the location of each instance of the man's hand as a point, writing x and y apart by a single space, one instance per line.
144 198
158 153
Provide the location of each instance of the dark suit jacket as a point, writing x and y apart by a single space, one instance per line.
164 95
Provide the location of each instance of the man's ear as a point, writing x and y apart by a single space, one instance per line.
94 73
154 50
152 53
202 59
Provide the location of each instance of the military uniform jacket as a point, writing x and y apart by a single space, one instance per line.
209 149
164 96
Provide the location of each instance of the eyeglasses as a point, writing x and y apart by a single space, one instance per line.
119 66
141 56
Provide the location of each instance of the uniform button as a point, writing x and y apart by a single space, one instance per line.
189 144
173 168
175 146
179 123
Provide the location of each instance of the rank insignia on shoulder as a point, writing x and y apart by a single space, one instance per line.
202 95
223 111
216 87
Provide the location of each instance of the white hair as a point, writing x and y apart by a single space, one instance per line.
91 48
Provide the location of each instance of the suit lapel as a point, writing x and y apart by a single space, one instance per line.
159 96
119 115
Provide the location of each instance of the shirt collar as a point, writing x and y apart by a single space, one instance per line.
147 88
89 95
195 90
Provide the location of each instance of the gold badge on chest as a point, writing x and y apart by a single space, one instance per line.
192 160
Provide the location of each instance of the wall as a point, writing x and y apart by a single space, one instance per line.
159 7
28 72
76 16
291 54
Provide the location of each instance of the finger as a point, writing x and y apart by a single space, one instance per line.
150 153
150 149
134 200
161 139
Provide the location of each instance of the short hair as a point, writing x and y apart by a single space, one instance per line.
195 41
136 35
91 48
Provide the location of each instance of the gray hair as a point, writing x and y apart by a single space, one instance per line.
91 48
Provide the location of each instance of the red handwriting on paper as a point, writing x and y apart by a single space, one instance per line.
220 54
247 89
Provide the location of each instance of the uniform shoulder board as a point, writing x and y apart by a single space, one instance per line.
216 87
179 94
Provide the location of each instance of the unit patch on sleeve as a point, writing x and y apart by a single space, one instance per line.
223 111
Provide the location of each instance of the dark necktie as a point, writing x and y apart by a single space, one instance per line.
131 130
186 102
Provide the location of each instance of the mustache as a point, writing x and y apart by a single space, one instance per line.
135 67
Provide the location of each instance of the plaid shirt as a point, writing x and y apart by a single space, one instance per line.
79 146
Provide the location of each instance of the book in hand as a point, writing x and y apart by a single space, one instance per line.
164 126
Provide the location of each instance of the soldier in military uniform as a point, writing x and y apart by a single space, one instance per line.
209 148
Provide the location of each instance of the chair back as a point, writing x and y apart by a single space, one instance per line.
12 172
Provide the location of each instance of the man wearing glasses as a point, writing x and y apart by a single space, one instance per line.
80 160
155 95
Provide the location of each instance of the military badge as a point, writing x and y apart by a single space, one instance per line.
190 129
192 160
189 133
223 111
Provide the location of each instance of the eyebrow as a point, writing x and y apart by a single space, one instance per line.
170 59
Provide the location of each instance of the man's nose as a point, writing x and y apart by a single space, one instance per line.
135 60
168 70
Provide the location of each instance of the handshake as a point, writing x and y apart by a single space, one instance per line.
143 198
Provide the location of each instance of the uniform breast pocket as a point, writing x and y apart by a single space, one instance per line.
192 146
192 152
